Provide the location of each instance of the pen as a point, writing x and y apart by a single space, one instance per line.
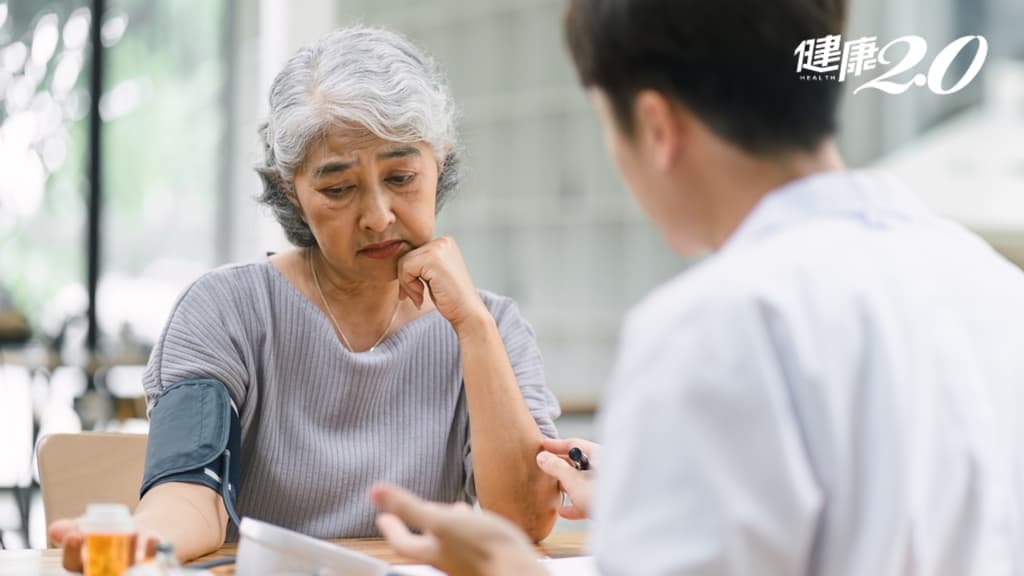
579 459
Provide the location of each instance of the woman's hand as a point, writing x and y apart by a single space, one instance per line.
555 461
439 267
453 537
66 534
190 516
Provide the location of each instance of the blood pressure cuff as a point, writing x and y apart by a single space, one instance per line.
194 437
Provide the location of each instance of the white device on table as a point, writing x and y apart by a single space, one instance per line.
267 549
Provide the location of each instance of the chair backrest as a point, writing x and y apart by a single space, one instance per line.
78 469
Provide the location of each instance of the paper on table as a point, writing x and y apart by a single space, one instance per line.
414 570
577 566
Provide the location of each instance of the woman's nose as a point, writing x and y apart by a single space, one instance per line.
375 210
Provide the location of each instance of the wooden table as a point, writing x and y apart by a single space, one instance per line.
47 562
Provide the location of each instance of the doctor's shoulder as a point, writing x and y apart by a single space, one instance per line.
712 291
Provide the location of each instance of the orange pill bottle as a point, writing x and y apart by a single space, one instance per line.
108 531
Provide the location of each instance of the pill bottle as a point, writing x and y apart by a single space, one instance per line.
108 531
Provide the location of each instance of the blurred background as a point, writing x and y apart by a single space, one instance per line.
128 135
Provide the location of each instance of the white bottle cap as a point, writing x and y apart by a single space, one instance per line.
107 519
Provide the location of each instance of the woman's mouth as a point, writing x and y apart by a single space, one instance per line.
381 249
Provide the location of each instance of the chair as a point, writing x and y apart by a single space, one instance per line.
77 469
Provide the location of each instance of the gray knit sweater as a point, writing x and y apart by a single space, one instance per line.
320 424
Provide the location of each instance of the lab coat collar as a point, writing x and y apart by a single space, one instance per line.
876 198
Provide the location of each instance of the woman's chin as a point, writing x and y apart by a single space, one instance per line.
383 273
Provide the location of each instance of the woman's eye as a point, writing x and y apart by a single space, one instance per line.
338 190
402 179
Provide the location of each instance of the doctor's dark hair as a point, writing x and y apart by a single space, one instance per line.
363 78
731 62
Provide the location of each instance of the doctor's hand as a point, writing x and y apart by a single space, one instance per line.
555 461
453 538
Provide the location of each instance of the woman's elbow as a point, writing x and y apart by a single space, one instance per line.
541 525
535 515
541 519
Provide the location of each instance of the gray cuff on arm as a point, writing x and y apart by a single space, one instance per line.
194 437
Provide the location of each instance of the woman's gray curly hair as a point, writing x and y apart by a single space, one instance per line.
357 77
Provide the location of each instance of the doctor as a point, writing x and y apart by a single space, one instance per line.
833 390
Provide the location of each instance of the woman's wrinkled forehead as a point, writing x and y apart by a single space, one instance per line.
353 144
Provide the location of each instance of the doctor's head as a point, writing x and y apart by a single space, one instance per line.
694 95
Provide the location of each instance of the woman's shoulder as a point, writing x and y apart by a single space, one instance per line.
505 310
497 303
230 278
227 287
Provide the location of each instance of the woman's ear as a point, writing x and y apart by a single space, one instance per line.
290 193
298 209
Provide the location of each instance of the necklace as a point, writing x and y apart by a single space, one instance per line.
316 282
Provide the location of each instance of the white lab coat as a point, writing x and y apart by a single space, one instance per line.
835 391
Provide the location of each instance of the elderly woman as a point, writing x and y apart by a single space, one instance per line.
365 353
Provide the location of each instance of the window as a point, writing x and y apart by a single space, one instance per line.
163 157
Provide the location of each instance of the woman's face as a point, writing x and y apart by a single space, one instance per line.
368 201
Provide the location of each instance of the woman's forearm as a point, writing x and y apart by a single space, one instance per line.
505 439
190 516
